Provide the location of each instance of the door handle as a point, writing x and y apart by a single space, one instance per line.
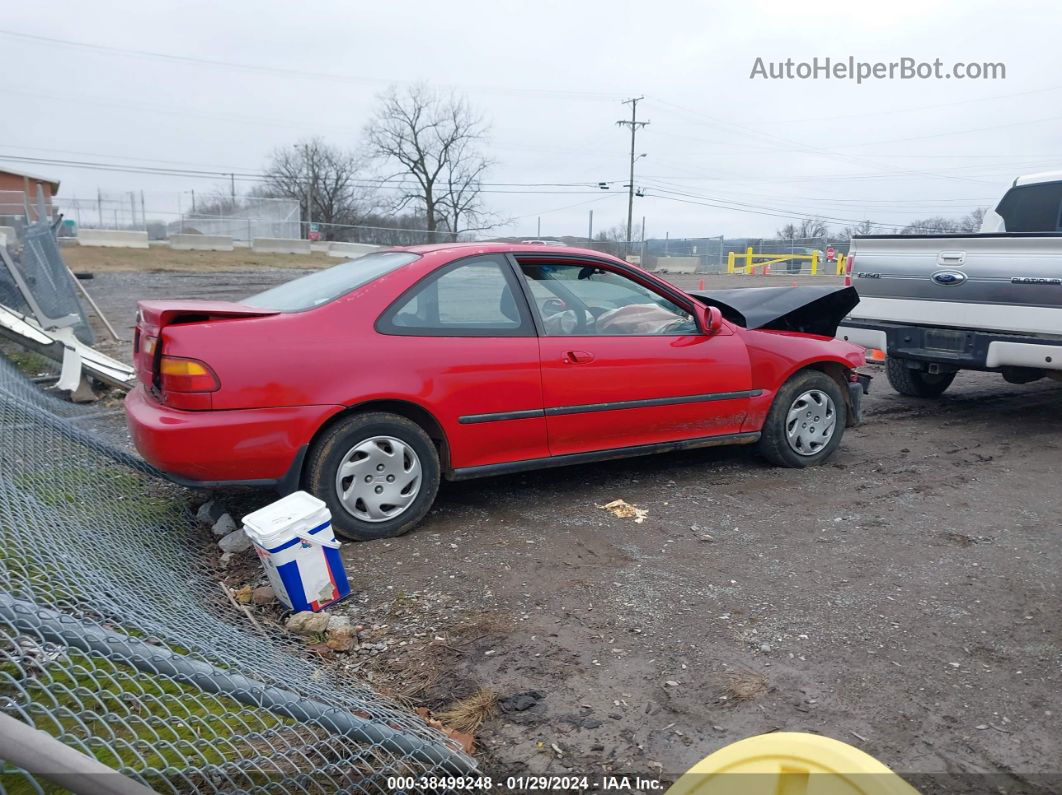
578 357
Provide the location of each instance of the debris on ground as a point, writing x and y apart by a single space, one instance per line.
263 595
466 740
468 714
236 541
624 510
340 634
307 622
519 702
209 512
224 525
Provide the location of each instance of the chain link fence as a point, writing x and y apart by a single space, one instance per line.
116 639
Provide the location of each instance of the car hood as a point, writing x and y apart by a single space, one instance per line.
808 310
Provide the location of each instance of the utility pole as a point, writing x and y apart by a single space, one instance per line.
634 124
232 188
590 230
538 234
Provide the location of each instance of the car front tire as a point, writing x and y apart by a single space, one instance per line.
377 472
806 421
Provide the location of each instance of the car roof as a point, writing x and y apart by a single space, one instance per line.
1035 179
487 247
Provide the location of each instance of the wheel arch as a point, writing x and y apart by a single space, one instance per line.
839 373
403 408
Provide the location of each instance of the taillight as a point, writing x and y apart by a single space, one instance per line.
177 374
849 261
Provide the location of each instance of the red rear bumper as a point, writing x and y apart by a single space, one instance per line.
243 446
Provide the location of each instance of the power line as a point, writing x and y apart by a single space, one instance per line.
277 71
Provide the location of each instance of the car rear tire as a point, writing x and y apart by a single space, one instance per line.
377 472
806 421
916 383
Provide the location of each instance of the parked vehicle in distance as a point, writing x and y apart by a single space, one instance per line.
991 301
542 242
368 382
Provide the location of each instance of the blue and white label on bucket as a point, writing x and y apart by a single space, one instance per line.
305 575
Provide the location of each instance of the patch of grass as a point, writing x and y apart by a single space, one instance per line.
468 714
145 722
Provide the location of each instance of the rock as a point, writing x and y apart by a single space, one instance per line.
225 559
224 525
765 647
243 595
236 541
671 683
263 595
307 622
209 512
338 623
341 639
518 702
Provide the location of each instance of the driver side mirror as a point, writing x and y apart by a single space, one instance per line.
709 318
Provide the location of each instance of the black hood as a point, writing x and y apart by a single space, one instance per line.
810 310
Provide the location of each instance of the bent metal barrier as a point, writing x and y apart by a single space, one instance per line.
116 640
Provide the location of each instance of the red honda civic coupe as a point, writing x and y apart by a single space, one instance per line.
370 381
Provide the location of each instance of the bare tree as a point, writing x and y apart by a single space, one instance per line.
435 140
971 222
936 225
862 228
807 229
326 181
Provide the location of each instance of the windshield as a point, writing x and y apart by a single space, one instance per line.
321 287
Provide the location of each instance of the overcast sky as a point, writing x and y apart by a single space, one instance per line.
550 77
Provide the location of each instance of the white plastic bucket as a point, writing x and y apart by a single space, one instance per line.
294 540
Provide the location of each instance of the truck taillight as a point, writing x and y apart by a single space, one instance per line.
849 261
177 374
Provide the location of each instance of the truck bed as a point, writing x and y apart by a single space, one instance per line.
951 302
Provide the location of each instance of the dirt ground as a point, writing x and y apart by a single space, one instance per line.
903 598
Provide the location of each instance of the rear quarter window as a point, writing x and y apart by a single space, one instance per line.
327 285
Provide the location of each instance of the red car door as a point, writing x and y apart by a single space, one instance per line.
623 365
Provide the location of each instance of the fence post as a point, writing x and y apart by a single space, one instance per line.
840 264
814 262
730 261
748 259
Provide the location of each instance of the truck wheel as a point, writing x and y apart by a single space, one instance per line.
806 421
377 472
916 383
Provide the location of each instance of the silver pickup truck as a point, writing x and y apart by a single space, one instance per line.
937 304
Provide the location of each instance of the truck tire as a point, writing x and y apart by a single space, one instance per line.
916 383
377 472
806 421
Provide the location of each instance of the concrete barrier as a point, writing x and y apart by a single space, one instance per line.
113 238
677 264
8 235
201 242
280 245
350 250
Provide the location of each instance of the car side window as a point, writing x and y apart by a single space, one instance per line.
584 300
473 298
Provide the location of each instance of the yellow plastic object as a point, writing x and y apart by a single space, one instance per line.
790 763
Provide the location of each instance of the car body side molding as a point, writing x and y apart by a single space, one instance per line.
473 419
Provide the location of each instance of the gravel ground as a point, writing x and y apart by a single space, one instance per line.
903 598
